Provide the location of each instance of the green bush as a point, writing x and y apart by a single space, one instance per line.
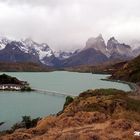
26 122
69 100
26 89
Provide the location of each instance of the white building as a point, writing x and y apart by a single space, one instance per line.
10 87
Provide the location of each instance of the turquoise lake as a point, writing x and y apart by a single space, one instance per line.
14 105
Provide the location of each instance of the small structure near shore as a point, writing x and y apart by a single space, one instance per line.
10 86
12 83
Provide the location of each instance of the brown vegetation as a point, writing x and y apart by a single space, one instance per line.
23 66
106 68
129 72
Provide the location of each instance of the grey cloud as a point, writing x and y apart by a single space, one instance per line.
37 2
69 23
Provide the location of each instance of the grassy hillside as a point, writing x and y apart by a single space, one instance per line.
130 71
23 67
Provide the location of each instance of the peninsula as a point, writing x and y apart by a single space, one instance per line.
13 84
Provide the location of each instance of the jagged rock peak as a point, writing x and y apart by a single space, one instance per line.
98 44
113 40
3 42
99 36
28 41
95 41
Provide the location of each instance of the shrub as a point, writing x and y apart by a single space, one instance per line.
69 100
27 88
26 122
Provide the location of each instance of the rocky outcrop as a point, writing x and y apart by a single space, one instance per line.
136 51
118 50
97 43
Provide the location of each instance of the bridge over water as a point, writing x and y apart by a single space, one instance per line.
55 93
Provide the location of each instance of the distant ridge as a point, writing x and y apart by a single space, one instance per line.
23 67
95 52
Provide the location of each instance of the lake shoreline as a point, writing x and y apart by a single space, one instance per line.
75 84
133 86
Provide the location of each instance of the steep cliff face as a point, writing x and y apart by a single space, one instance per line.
93 53
97 43
118 50
99 115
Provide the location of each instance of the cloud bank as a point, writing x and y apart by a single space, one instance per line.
69 23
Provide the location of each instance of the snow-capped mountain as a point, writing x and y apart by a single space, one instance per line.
136 51
113 49
95 52
118 50
3 42
136 47
97 43
61 55
13 53
42 51
135 44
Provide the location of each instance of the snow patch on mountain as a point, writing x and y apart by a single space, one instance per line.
61 55
3 42
43 50
97 43
118 48
30 47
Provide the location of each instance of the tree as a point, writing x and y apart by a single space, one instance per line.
69 100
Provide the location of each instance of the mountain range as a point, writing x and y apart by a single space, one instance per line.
95 52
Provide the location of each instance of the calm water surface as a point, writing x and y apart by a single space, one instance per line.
13 105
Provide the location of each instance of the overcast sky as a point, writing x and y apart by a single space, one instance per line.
69 23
